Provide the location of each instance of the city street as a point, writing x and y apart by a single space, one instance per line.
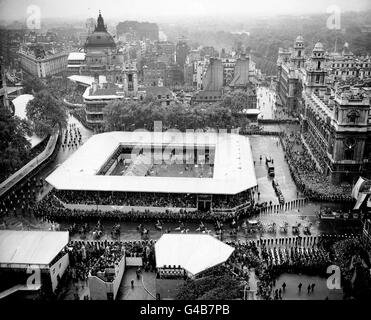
269 146
266 103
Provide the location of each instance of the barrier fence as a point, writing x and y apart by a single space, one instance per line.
302 241
287 206
261 133
287 241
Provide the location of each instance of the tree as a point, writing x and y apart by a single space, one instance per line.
213 287
121 115
237 101
13 143
46 112
32 85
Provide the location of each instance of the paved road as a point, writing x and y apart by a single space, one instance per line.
144 288
320 291
266 103
64 154
270 146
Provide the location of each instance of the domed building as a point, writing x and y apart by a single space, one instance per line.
100 38
102 55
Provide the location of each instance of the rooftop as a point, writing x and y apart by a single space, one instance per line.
76 56
193 252
157 91
233 164
30 247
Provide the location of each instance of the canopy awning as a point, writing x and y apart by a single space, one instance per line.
30 247
357 187
192 252
360 201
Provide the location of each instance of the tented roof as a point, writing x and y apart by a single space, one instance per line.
193 252
233 164
86 80
76 56
30 247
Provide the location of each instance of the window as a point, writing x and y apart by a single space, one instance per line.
352 116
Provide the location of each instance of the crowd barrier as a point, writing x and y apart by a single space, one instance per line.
279 121
287 206
293 240
261 133
104 243
303 241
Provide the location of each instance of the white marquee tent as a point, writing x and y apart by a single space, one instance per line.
193 252
22 248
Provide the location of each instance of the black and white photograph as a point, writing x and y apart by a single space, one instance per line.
192 151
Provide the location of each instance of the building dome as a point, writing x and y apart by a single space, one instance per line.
299 39
100 37
318 47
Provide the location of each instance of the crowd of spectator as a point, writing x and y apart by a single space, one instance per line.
269 263
310 180
51 209
185 201
21 199
101 258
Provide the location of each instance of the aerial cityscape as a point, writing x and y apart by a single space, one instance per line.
159 151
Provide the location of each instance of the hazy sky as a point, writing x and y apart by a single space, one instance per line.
147 9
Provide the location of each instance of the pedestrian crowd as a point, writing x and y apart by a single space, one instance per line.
309 179
269 263
51 209
21 199
185 201
102 258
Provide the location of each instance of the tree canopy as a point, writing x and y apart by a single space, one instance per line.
46 112
222 287
32 85
13 143
237 101
130 115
